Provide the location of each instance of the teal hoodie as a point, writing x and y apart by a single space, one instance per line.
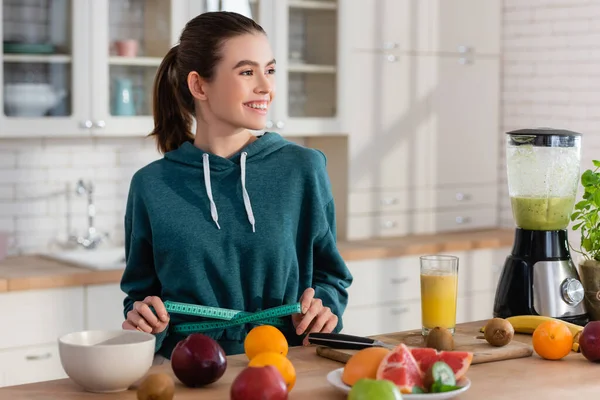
248 233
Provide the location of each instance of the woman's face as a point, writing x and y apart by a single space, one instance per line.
244 83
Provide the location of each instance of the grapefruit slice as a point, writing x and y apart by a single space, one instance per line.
459 361
400 367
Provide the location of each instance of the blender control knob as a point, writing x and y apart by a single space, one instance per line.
572 291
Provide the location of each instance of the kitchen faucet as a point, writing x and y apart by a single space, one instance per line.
93 238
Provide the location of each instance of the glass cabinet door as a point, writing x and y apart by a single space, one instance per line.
130 42
44 67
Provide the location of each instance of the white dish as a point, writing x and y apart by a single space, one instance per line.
335 378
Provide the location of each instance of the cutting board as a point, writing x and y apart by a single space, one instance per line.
482 351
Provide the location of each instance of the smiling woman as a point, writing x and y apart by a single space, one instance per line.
228 219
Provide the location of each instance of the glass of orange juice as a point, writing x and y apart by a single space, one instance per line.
439 292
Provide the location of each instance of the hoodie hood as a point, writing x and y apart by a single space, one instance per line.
190 155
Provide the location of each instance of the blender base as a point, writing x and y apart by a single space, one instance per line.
539 278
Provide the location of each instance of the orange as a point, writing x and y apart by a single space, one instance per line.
363 364
281 362
265 338
552 340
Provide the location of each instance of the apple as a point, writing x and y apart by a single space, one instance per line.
380 389
589 341
259 383
198 360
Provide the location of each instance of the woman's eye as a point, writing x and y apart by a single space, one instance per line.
247 73
271 71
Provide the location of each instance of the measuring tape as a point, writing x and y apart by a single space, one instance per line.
271 316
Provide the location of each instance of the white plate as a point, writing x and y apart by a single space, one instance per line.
335 378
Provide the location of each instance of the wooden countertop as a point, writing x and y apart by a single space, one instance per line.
36 272
523 378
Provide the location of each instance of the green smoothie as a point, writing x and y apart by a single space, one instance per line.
542 213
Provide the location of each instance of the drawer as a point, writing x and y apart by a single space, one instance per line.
40 316
389 201
466 196
31 364
377 320
379 281
458 220
389 225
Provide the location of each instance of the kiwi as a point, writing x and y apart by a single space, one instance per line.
440 373
440 339
499 332
157 386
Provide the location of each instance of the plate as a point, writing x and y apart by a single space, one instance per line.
335 378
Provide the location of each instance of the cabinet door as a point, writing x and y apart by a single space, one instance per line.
305 39
464 120
473 24
388 25
24 365
130 39
104 308
45 68
389 116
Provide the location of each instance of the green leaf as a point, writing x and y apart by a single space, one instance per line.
596 163
597 198
587 244
577 226
417 390
581 205
575 215
589 178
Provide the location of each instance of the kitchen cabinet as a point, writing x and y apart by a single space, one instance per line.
385 295
306 36
104 306
423 150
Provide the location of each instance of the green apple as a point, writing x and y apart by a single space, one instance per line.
374 389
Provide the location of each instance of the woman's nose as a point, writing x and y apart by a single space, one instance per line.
263 85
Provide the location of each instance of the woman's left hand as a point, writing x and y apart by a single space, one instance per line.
314 317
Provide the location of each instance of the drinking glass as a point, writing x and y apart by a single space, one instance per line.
439 292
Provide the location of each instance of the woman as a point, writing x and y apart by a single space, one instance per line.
227 219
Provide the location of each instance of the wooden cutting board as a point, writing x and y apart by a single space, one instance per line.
482 351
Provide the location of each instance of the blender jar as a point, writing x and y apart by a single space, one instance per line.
543 167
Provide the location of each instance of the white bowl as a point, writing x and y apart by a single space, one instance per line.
106 361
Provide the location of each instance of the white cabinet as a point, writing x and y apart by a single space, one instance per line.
424 127
81 68
30 364
104 306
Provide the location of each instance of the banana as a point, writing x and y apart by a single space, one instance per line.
527 323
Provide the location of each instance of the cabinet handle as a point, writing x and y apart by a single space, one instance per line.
462 220
462 196
390 45
87 124
388 224
399 281
269 124
391 58
280 124
388 201
37 357
398 311
99 124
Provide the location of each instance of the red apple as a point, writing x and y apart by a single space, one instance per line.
198 360
589 341
259 383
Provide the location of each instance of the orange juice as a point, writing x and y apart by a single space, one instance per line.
438 300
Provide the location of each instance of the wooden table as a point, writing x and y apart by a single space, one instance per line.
525 378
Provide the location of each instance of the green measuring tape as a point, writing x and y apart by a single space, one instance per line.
229 318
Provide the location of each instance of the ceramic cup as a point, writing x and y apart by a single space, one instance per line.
127 48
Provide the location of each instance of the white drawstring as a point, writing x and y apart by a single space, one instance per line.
245 192
213 207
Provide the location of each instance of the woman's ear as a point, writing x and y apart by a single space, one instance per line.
196 85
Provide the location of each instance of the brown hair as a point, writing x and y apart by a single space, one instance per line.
198 50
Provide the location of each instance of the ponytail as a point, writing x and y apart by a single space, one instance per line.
172 113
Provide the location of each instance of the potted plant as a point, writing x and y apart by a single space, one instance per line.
587 220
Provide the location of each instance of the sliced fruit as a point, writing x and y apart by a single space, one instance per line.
363 364
459 361
400 367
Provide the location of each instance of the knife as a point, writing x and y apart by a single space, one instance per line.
344 341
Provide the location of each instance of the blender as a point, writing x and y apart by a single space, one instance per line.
539 276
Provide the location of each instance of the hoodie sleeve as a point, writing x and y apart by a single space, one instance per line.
331 276
139 279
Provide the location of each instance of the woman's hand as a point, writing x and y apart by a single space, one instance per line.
314 317
143 319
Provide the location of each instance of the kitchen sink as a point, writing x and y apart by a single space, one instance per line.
98 259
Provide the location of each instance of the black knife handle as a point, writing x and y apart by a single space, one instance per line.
340 341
